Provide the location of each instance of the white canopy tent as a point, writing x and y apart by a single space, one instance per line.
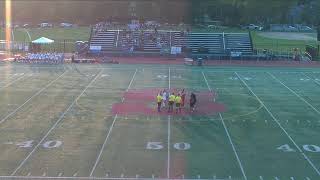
43 40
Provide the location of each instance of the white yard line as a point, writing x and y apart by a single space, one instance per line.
311 78
30 98
110 130
281 127
301 98
229 137
233 147
169 131
12 82
205 79
169 137
55 124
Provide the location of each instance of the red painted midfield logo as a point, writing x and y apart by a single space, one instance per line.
143 102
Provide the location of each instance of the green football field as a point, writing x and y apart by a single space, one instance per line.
56 122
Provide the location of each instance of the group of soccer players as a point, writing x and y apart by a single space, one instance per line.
166 99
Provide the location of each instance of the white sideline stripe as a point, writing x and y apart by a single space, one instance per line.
110 130
30 98
301 98
312 79
12 82
233 148
91 178
55 124
281 127
227 132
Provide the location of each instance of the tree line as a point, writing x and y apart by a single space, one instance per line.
229 12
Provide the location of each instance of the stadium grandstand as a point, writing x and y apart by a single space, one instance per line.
159 90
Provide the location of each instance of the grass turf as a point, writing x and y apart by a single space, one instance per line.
86 125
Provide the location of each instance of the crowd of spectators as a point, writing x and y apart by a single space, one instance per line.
42 58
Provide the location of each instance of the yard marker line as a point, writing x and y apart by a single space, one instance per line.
312 79
281 127
54 125
301 98
169 135
230 140
33 96
110 130
233 147
12 82
169 132
205 79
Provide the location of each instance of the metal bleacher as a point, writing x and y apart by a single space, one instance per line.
105 39
216 43
212 41
239 42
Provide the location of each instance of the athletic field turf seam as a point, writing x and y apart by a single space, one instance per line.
55 124
281 127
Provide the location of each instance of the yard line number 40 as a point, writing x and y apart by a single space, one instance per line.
47 144
306 147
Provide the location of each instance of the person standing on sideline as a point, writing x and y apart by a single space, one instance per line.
159 101
172 98
193 101
178 100
183 98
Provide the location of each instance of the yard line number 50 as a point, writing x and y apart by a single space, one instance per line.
306 147
159 145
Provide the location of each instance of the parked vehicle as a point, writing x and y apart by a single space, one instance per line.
66 25
45 25
253 27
